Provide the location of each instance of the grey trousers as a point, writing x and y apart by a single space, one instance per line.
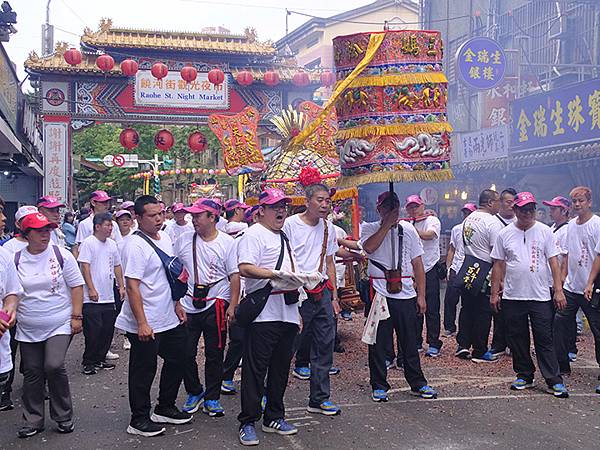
46 361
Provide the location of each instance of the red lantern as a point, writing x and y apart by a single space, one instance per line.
164 140
301 79
189 73
72 56
105 63
245 78
216 76
129 67
159 70
328 79
197 142
271 78
129 138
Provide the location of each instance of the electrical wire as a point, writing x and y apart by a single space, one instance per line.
377 23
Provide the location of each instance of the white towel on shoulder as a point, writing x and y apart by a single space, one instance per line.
379 311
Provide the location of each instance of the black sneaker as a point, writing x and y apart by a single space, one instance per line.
89 370
170 414
6 403
66 426
462 353
28 431
145 428
104 365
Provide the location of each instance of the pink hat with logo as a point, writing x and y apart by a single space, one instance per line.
25 211
271 196
178 207
233 203
385 195
560 202
414 199
469 206
48 201
100 196
250 213
524 198
128 204
204 205
121 213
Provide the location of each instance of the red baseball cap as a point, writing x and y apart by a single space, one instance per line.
385 195
100 196
204 205
233 203
271 196
524 198
49 201
36 221
414 199
560 202
470 206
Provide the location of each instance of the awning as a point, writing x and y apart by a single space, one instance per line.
8 141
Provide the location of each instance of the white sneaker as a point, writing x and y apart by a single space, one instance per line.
126 344
111 355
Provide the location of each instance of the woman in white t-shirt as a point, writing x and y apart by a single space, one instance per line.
49 313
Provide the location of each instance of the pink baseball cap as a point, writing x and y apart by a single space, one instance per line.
121 213
100 196
178 207
233 203
25 211
250 213
271 196
128 204
470 206
385 195
48 201
204 205
559 201
524 198
414 199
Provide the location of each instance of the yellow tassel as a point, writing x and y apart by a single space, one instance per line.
398 79
401 129
396 177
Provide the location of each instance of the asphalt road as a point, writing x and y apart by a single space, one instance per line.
475 410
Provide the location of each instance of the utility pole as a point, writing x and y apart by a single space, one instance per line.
47 33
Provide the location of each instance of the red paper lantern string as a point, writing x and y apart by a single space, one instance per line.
216 77
105 63
129 67
72 56
159 70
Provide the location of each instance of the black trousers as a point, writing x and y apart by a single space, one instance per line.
474 322
235 350
204 324
563 332
403 317
268 352
451 299
169 346
98 329
432 315
518 315
499 340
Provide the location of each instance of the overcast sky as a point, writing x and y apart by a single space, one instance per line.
70 17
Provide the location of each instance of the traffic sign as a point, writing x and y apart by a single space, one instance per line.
118 160
122 161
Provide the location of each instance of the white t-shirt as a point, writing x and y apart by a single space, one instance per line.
560 240
57 237
175 231
102 257
340 268
526 254
459 248
307 243
217 261
140 262
581 244
86 229
504 221
431 247
9 284
232 228
412 248
45 308
260 246
14 245
480 230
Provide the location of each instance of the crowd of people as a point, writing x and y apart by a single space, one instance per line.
260 286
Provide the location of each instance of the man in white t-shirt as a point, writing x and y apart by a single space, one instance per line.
583 238
429 229
270 338
522 254
100 202
314 247
454 259
213 285
180 224
234 215
100 264
391 245
480 230
153 323
50 207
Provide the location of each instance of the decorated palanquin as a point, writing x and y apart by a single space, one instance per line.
392 117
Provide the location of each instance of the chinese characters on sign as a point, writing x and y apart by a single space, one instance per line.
175 92
55 160
561 116
495 102
485 144
481 63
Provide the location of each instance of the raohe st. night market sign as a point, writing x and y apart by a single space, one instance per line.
481 63
567 115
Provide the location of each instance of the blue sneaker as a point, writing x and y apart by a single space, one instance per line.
213 408
193 403
426 392
519 384
379 395
487 357
248 435
279 426
572 357
346 315
327 408
558 390
263 403
302 373
433 352
334 370
598 389
228 388
389 364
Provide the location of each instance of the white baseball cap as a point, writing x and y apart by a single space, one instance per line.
24 211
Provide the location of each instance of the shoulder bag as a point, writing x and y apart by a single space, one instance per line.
393 276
